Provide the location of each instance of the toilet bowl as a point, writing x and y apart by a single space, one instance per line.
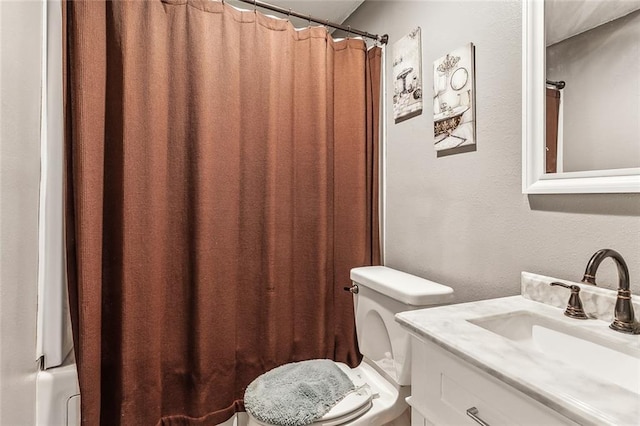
382 380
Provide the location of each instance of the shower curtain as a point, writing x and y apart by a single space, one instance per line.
221 182
552 116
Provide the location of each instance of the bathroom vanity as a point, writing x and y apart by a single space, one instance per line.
519 360
447 388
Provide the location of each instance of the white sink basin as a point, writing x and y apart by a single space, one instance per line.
605 359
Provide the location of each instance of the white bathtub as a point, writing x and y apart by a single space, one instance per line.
58 395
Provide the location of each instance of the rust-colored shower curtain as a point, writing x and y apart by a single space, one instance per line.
221 182
552 116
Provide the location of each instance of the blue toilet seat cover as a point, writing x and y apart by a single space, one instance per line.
298 393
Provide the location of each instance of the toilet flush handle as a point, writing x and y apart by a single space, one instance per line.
353 289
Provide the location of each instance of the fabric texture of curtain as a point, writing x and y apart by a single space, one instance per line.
221 182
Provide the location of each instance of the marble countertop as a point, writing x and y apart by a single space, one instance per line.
556 384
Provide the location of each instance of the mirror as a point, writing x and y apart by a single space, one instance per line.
593 83
581 132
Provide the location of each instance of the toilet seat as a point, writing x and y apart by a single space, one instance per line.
353 405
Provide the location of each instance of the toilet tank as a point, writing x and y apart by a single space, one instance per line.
382 293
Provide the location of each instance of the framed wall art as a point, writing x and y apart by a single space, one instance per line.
454 115
407 76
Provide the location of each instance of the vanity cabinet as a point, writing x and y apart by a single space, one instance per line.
444 387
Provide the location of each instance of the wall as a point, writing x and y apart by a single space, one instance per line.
462 220
602 70
20 38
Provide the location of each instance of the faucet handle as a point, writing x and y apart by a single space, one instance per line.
571 287
574 307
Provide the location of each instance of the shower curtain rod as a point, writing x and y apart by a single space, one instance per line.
557 84
347 28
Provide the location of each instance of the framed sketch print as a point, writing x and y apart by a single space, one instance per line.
407 76
454 115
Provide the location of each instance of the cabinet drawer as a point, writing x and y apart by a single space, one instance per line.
444 387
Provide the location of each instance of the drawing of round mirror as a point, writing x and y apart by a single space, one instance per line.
459 78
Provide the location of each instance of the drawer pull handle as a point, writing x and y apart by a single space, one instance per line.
473 413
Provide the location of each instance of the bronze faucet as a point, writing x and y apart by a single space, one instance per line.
624 320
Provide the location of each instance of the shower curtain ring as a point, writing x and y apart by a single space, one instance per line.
255 7
348 31
309 18
289 13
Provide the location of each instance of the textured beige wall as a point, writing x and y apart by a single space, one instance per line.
20 42
462 219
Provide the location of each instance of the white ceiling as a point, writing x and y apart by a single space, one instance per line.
567 18
333 10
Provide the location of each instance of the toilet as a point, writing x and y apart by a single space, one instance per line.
383 378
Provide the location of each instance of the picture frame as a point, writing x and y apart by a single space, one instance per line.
407 73
454 115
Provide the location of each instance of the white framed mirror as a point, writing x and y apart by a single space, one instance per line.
539 175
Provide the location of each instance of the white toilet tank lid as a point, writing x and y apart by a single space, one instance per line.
403 287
